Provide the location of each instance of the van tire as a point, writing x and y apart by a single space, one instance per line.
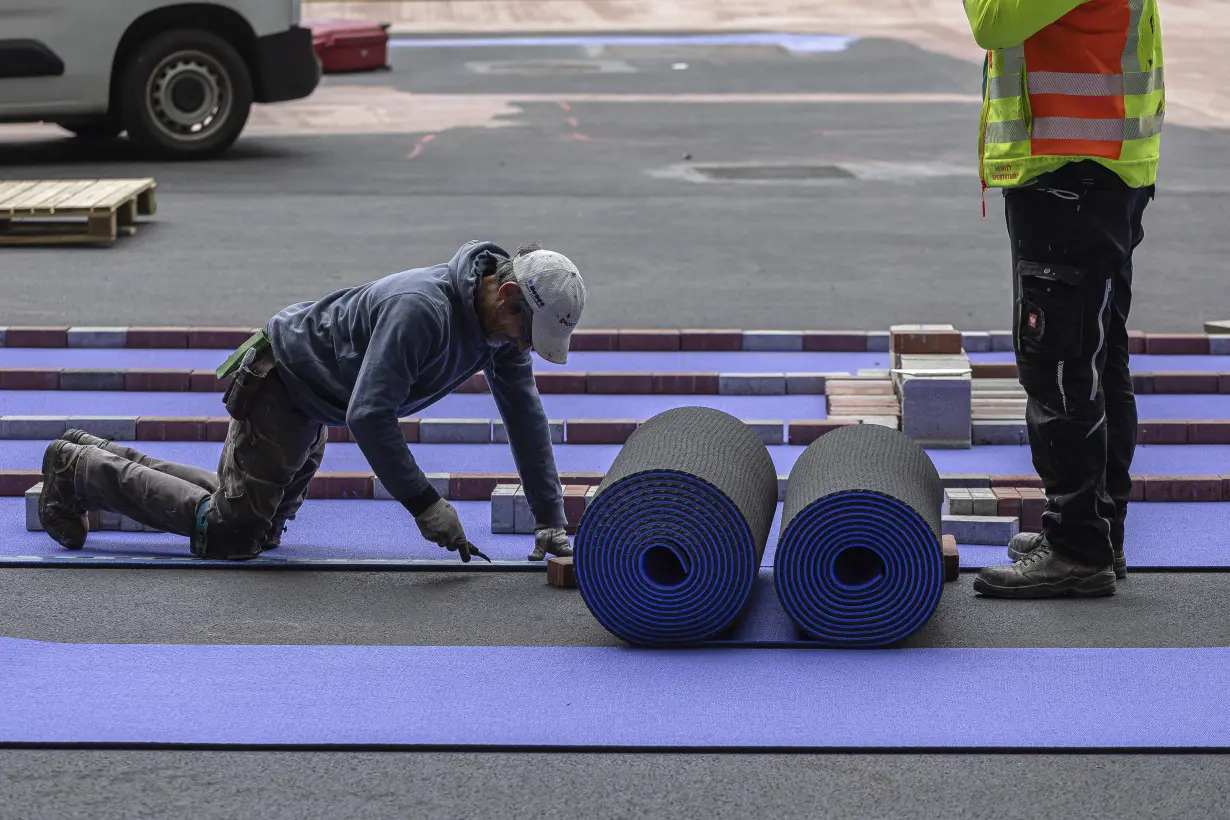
185 94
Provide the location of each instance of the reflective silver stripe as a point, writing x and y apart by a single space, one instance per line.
1144 82
1131 59
1144 127
1063 394
1013 59
1102 319
1097 426
1006 131
1076 128
1007 86
1074 84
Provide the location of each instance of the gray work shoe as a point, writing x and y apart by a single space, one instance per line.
62 517
1044 573
1024 543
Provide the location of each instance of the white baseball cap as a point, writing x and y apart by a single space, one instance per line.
554 291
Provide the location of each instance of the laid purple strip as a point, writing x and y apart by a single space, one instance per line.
324 529
1158 535
1155 407
698 361
455 406
1152 459
558 406
1141 362
605 696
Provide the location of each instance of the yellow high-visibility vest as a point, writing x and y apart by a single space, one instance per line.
1068 80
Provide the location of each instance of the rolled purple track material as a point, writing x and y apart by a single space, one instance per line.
668 551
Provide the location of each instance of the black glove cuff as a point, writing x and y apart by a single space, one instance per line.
417 505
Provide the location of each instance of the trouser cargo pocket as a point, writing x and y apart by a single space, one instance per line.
1050 310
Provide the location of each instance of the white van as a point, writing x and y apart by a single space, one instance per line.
179 77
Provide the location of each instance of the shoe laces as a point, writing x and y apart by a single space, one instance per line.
1034 556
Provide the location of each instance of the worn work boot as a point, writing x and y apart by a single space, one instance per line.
274 539
1024 543
1044 573
62 516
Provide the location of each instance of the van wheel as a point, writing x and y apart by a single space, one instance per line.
185 94
101 128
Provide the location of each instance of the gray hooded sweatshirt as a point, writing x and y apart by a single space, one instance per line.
370 355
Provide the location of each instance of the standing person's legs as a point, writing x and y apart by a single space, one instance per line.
1070 241
1121 417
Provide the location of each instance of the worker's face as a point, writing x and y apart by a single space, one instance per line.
512 320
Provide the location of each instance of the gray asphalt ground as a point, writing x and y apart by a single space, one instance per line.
520 609
285 219
289 218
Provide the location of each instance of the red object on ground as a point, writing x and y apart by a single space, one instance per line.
350 46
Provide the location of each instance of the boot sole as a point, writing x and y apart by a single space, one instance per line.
1120 563
1096 586
43 517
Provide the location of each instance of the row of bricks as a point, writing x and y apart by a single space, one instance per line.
1170 431
97 520
414 431
1154 488
988 530
1145 384
572 431
479 486
511 513
1024 503
735 384
360 485
223 338
582 340
206 381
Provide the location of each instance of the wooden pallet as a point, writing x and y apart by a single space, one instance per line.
71 211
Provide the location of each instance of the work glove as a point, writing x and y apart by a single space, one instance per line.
440 525
550 540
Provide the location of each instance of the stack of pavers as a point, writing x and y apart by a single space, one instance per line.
955 392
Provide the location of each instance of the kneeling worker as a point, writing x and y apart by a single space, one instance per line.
364 357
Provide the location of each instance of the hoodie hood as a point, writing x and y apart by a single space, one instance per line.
466 269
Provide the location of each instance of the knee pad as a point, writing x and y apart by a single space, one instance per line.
216 539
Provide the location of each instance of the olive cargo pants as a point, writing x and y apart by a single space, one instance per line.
267 463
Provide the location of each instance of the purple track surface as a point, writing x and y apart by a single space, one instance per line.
1141 362
1158 536
558 406
577 361
1154 459
605 697
458 405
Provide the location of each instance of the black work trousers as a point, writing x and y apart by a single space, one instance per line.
1073 233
